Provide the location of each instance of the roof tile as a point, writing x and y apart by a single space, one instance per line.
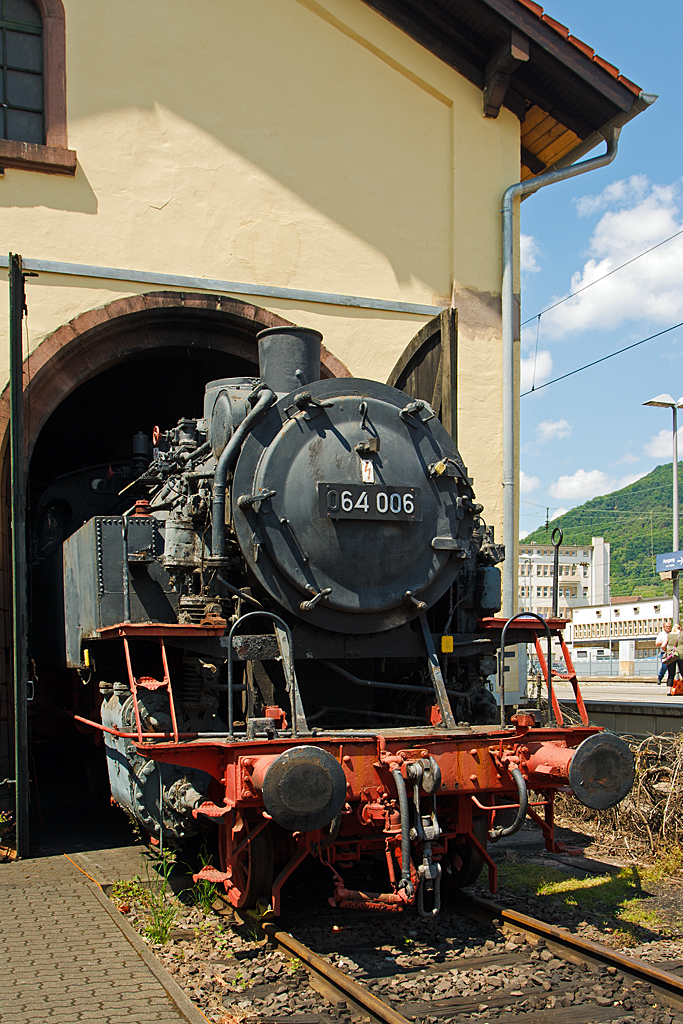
557 25
629 84
609 68
584 47
536 8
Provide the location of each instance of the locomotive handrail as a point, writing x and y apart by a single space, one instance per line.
501 664
297 712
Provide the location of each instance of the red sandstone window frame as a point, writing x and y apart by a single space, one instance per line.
54 157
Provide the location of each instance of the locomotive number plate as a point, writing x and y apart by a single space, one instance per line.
360 501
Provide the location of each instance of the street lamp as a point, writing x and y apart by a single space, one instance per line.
667 402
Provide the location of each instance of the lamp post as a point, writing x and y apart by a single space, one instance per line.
529 563
609 598
667 402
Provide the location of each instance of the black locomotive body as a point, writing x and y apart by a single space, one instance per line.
291 625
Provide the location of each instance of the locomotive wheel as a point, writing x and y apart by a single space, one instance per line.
472 861
252 869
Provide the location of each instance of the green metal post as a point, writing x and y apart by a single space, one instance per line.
17 303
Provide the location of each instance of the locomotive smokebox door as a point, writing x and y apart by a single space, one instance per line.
367 511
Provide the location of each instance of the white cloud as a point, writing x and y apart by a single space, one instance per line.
527 484
523 534
530 251
633 189
585 484
544 367
661 445
557 513
626 459
637 216
552 430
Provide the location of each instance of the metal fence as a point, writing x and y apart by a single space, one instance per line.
610 667
602 667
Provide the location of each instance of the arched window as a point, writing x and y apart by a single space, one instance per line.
33 87
23 103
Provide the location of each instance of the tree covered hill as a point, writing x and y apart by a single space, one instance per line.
637 522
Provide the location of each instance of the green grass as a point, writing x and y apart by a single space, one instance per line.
668 863
616 901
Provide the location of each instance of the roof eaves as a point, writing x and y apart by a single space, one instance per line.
587 50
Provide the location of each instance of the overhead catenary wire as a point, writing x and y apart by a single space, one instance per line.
538 334
599 279
595 362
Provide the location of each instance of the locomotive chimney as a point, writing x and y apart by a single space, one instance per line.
289 357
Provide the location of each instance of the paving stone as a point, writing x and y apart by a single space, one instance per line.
67 959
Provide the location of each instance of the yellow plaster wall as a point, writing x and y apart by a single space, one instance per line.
299 143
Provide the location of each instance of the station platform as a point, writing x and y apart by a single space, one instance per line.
637 708
68 955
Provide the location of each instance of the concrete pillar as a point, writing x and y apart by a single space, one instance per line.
627 657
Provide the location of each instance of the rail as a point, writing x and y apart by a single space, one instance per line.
668 985
330 980
332 983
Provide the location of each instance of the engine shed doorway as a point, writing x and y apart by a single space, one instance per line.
90 387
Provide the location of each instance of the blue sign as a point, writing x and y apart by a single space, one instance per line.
670 561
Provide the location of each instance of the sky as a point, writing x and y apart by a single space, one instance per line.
590 434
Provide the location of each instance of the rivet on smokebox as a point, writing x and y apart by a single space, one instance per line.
446 644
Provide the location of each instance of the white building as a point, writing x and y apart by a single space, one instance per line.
583 576
623 629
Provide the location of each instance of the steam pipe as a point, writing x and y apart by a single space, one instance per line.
223 465
427 691
236 592
498 833
405 882
517 191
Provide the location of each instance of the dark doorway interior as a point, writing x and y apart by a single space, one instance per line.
80 462
96 422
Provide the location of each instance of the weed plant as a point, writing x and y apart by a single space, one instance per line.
204 892
162 912
130 892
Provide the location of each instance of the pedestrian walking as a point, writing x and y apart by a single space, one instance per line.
661 642
673 659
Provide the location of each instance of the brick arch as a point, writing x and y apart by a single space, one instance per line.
94 342
100 338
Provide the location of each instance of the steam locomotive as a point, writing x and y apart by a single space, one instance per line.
293 631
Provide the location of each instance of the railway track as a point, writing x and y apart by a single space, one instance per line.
543 968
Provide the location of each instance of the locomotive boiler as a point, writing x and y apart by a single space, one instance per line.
293 629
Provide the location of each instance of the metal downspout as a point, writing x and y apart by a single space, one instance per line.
523 188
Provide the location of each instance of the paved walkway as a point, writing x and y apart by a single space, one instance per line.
67 954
